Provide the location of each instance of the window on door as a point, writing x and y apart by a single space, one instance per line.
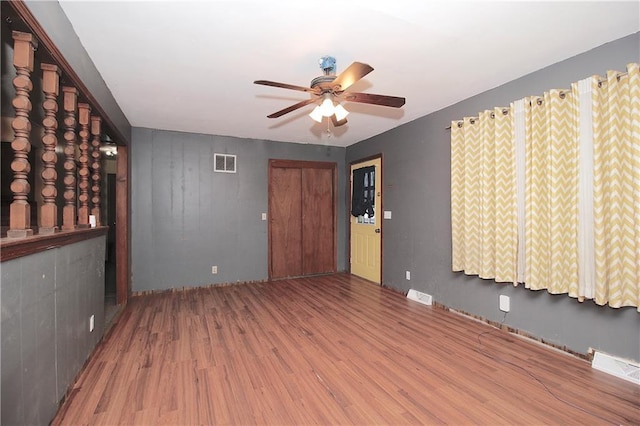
363 202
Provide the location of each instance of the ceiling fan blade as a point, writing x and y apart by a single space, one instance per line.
370 98
337 123
284 86
353 73
291 108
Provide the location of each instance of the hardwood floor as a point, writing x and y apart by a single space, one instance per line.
329 350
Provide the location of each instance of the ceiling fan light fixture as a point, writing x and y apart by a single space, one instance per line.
327 108
341 112
316 114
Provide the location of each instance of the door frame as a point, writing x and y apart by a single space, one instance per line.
349 196
276 163
123 237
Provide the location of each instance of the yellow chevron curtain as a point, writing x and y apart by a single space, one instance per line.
484 227
550 190
616 139
551 223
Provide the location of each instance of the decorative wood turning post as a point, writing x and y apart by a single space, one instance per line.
95 167
20 211
84 110
70 123
51 89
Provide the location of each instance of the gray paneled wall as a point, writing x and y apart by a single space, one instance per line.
47 299
187 218
416 164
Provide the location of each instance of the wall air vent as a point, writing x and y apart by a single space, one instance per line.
625 369
420 297
224 163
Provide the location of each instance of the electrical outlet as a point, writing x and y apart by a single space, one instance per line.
505 303
407 275
214 269
92 320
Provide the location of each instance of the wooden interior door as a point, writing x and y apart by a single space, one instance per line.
317 221
285 211
366 232
302 225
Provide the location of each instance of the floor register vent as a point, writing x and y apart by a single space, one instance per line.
617 367
424 298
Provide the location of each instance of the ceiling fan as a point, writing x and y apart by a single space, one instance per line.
330 87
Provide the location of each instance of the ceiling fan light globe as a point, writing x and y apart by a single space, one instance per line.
327 107
316 114
341 112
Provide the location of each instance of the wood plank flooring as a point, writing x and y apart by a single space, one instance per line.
329 350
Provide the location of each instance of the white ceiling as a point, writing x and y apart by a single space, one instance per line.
190 66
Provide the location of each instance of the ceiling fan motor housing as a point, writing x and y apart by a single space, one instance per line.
323 82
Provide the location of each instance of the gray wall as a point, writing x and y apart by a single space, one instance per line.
416 171
187 218
47 299
57 26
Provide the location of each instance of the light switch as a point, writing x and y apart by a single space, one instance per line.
264 216
387 214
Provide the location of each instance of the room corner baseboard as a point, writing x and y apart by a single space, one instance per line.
186 288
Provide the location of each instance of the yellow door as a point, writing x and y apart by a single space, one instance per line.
366 229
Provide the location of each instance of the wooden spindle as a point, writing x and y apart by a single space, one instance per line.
70 122
24 45
96 166
84 111
51 89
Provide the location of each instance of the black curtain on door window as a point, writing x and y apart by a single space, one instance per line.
363 196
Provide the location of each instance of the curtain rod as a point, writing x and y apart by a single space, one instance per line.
600 81
505 111
620 74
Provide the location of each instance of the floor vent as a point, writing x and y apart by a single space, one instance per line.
424 298
617 367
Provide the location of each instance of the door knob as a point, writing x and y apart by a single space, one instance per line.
377 230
